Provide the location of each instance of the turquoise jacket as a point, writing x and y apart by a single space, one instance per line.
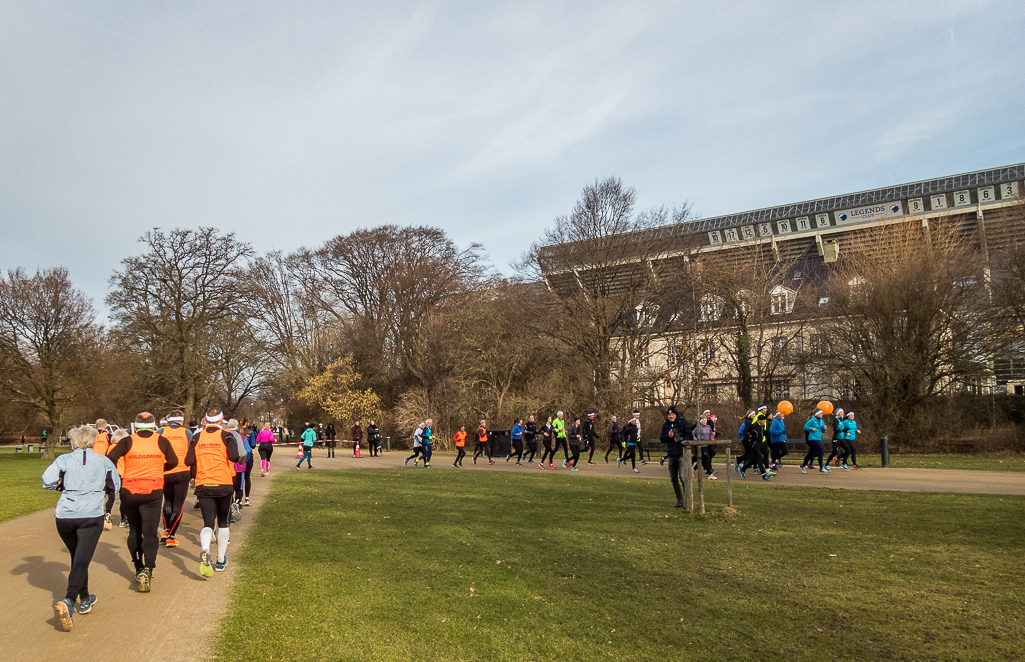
309 436
849 429
815 427
777 431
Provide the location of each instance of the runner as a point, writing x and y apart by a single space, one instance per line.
705 433
840 449
482 447
754 437
850 432
240 471
265 446
428 435
778 441
762 447
546 438
460 439
418 435
630 439
213 451
589 434
82 477
640 440
374 439
309 436
147 457
517 442
176 481
120 464
615 440
559 434
101 446
814 428
530 436
674 431
576 437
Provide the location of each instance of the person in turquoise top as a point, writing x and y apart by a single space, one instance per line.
308 436
426 442
559 432
849 430
815 427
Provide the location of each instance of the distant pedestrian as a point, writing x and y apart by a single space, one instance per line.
418 442
427 449
590 434
265 446
547 432
482 447
629 436
675 431
575 435
559 434
460 439
814 428
309 437
615 439
530 438
374 439
82 477
517 442
778 441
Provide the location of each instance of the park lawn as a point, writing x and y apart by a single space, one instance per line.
21 485
969 462
390 564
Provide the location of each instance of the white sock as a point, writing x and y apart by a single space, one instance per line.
205 536
222 542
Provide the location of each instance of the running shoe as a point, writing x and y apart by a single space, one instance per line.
407 461
475 459
86 605
606 459
205 568
192 483
309 466
123 524
455 465
564 463
711 477
165 535
491 461
236 513
661 461
736 467
144 577
589 462
427 465
219 566
107 526
772 472
714 471
507 457
415 461
803 470
857 467
196 507
247 502
742 474
824 470
171 542
767 476
518 464
845 467
643 462
574 469
65 610
637 471
551 465
619 463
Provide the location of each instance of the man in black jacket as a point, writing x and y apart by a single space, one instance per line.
615 439
589 436
530 436
675 431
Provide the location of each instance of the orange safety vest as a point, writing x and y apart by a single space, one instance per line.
144 465
482 435
460 439
102 445
180 443
212 464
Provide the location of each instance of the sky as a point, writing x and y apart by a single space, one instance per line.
290 123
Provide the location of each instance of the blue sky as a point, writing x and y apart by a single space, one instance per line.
289 123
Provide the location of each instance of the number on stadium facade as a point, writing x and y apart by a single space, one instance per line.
765 229
938 201
987 194
783 226
749 232
822 220
803 224
1009 190
731 234
962 198
715 238
916 205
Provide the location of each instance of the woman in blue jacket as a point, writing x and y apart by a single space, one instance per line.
850 433
83 478
815 428
517 443
778 441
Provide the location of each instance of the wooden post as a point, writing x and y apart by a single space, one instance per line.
688 483
729 485
701 485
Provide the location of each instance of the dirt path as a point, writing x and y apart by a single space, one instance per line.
170 623
894 480
175 620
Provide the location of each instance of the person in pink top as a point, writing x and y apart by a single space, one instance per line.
265 441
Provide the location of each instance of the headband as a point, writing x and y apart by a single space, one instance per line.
175 419
216 419
145 426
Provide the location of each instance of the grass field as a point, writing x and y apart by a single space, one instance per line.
397 565
21 485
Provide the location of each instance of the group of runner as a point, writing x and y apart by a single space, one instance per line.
151 470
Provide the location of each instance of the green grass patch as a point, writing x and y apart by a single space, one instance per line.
969 462
442 565
21 485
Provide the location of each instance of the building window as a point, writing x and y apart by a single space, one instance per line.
817 344
706 354
711 308
823 301
709 391
779 348
782 299
779 389
677 355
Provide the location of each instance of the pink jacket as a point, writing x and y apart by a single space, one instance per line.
265 437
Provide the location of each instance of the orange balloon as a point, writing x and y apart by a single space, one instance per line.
826 406
785 408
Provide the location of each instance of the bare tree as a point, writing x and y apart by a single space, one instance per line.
46 330
611 274
167 302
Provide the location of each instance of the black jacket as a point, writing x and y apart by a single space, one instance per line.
588 431
614 432
682 432
529 430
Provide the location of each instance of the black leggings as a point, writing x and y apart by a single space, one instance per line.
754 457
548 454
630 455
531 449
416 453
591 446
460 456
614 446
814 451
109 504
80 536
266 450
143 512
561 441
482 449
176 491
854 451
707 453
779 450
517 449
215 508
675 461
236 482
574 451
249 474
